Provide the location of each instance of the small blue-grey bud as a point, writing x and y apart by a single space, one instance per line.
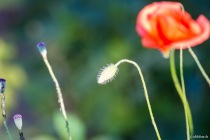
42 48
2 85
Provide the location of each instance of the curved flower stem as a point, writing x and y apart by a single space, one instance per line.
60 97
145 92
183 90
181 94
199 65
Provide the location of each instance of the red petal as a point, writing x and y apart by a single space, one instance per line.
194 41
142 25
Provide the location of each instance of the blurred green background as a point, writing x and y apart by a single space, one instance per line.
82 36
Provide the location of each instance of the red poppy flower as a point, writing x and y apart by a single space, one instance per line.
165 25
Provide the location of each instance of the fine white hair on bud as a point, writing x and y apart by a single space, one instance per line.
107 74
18 121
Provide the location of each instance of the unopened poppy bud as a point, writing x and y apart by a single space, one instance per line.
107 74
18 121
2 85
42 48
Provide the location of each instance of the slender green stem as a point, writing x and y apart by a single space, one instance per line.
145 92
7 129
181 72
180 93
183 90
199 65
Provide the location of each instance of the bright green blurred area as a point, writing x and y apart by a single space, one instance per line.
82 36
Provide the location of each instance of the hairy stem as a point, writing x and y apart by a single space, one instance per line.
59 93
145 92
3 107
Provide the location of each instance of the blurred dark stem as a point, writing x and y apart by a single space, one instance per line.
67 128
21 136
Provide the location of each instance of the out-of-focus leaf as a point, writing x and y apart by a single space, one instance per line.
43 137
106 137
77 127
